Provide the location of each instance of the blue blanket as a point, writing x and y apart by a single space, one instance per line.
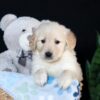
22 87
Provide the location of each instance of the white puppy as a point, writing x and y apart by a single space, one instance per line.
53 47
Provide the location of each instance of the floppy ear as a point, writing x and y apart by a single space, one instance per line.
32 41
71 40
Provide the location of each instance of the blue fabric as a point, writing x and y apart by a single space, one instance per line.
22 87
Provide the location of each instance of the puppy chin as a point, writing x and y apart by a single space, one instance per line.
49 60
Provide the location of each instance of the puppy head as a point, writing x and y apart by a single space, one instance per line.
51 39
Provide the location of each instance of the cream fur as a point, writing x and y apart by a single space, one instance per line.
63 64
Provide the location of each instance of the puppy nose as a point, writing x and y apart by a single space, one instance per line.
48 54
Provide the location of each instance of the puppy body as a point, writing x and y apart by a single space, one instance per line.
63 63
68 63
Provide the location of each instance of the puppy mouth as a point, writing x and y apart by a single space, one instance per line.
50 59
46 58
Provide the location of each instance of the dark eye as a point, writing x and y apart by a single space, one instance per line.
57 42
43 41
23 30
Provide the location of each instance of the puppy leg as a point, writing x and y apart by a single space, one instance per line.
65 79
40 77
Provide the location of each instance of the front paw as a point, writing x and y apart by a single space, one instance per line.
64 81
40 77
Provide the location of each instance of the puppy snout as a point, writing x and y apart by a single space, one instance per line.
48 54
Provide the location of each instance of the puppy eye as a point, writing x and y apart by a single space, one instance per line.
57 42
43 41
23 30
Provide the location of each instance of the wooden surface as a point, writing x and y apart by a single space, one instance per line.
4 95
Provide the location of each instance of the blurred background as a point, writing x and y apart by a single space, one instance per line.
81 16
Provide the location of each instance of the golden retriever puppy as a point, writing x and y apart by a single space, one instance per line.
53 47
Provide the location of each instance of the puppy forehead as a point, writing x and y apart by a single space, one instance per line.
51 28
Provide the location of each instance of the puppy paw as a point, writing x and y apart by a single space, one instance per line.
40 78
64 81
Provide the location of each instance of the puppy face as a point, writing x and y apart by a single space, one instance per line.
51 40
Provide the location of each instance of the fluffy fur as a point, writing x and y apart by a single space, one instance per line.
16 30
61 61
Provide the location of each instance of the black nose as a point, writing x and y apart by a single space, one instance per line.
48 54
